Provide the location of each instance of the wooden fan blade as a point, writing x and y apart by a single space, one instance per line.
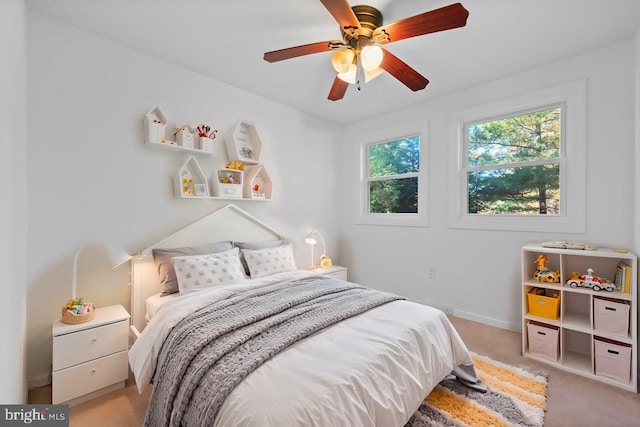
305 49
401 71
338 89
342 13
445 18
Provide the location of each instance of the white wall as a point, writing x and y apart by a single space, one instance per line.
92 178
478 272
13 196
637 136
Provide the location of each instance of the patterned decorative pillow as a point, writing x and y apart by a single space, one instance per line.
200 272
162 259
268 261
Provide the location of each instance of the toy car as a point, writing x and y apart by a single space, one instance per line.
590 281
547 276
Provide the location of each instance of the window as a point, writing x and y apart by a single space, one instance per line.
392 177
520 163
513 164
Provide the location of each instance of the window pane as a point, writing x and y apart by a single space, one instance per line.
515 139
395 157
532 190
394 196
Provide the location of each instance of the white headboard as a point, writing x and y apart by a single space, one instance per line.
227 223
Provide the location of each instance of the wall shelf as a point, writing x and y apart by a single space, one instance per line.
172 146
243 144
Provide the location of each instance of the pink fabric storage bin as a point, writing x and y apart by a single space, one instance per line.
613 359
543 340
611 316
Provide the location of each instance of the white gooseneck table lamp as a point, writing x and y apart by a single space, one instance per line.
116 258
324 261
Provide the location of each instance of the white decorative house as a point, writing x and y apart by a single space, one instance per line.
190 181
243 143
186 136
155 124
257 183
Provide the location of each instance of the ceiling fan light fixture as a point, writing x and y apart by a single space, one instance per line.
342 60
370 75
350 75
371 57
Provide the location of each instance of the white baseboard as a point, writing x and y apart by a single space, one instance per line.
516 327
487 320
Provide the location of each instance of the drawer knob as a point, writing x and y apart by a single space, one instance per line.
94 340
93 370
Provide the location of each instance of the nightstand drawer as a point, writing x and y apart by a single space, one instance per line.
83 346
338 274
88 377
334 271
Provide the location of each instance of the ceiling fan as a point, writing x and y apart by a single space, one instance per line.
362 31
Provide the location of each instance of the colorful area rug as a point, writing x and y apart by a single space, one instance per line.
515 397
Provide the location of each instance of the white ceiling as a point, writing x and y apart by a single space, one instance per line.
226 39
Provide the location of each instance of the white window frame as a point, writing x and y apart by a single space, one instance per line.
419 219
571 97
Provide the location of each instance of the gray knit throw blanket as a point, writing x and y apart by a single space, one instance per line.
212 350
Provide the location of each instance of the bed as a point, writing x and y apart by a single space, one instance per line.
284 346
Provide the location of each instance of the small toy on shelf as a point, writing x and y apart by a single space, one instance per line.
590 281
78 311
228 179
543 273
568 245
235 165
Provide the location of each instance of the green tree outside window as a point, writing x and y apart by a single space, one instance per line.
393 176
513 164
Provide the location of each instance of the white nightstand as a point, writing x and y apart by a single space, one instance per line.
90 359
334 271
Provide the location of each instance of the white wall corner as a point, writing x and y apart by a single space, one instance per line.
637 144
13 210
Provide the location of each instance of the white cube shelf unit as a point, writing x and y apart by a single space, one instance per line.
257 183
596 332
243 143
227 183
189 181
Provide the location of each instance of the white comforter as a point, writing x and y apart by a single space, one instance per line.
373 369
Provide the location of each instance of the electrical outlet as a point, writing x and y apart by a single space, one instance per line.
431 272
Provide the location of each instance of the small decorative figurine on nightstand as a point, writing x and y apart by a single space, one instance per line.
543 273
590 281
325 262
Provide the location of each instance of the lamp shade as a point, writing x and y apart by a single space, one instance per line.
371 57
350 75
116 258
342 59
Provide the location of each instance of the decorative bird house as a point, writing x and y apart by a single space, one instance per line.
154 126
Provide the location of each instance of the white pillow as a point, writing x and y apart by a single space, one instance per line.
198 272
268 261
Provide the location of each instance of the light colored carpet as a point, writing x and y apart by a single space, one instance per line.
572 400
514 397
